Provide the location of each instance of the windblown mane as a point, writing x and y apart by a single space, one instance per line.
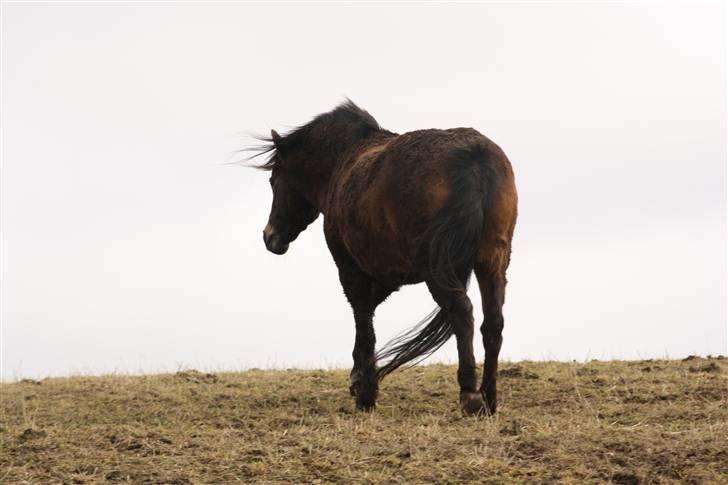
346 113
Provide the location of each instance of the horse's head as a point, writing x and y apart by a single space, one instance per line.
290 212
301 163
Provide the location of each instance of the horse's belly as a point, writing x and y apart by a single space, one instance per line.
384 255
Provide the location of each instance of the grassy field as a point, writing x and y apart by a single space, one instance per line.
652 421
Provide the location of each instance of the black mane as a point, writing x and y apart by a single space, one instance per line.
347 113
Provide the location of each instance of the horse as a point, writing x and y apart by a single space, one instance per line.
429 206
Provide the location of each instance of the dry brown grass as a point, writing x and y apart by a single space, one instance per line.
598 422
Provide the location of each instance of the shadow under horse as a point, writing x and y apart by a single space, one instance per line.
427 206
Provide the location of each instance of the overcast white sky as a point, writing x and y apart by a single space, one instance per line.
128 246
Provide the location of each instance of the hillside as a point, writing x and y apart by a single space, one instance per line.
652 421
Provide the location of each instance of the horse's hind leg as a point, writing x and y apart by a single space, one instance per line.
459 312
492 282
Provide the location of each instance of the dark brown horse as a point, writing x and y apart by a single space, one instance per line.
429 205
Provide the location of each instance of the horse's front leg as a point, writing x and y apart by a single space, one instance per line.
364 373
364 295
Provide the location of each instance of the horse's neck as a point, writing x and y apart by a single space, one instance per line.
323 172
316 180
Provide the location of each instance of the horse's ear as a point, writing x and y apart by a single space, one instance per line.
275 137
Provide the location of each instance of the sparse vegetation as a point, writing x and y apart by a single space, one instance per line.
652 421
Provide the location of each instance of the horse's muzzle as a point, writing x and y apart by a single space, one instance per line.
274 244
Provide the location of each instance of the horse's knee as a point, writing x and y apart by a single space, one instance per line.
462 305
461 316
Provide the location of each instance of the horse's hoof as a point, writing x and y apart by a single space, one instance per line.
472 404
355 382
366 406
491 403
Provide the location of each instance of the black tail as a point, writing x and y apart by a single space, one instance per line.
416 344
454 245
